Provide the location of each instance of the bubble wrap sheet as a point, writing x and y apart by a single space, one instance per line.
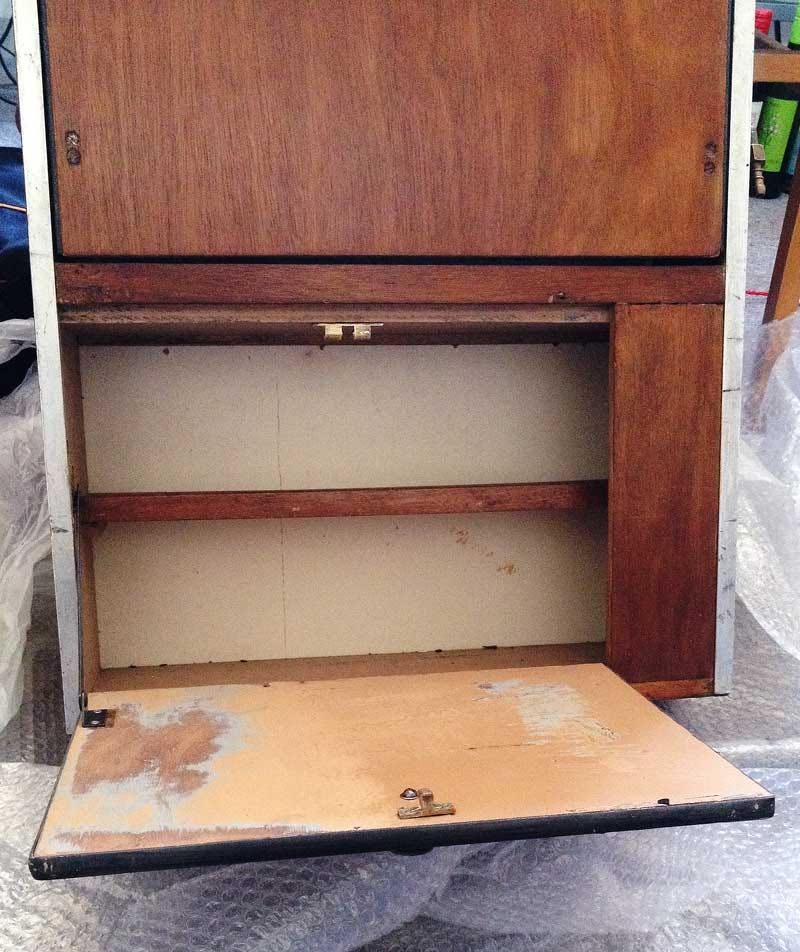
768 545
725 887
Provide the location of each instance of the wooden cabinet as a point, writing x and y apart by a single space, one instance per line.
389 127
388 363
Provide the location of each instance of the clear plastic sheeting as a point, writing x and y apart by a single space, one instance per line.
768 548
24 530
733 887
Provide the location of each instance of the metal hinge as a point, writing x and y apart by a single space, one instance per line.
101 717
426 806
334 333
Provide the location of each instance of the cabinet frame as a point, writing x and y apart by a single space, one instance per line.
138 284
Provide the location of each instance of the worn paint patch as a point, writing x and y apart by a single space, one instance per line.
101 841
553 710
172 750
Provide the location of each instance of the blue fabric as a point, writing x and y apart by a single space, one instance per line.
15 292
13 225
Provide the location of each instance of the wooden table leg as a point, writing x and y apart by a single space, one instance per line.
783 300
784 289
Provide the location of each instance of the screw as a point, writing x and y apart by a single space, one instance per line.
72 141
710 168
409 794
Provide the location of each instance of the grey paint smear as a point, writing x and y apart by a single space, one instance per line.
550 709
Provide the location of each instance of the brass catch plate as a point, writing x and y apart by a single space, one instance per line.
425 806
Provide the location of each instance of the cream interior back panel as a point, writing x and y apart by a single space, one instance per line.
226 591
249 417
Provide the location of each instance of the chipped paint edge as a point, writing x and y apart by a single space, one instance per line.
733 332
420 836
48 348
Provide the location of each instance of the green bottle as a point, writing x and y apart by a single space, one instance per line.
794 36
776 126
774 129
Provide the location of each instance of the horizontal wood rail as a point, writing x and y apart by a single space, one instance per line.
292 324
132 283
310 503
774 62
773 66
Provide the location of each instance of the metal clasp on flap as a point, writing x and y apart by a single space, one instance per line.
334 333
426 805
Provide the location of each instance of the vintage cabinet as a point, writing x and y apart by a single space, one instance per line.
389 358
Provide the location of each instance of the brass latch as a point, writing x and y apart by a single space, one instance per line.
334 333
426 806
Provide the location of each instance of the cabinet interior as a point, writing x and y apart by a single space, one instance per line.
179 596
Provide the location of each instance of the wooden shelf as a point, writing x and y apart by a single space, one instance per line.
145 677
776 66
310 503
344 666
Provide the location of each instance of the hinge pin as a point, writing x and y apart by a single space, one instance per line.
97 718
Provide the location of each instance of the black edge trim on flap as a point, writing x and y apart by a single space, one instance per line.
411 839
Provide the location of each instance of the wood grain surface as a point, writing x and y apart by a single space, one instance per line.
666 384
389 127
287 324
142 677
303 504
137 283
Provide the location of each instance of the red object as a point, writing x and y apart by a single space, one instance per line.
763 19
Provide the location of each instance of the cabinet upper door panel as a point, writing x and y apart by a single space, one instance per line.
388 127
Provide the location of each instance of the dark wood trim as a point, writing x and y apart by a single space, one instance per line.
666 406
672 690
784 287
129 283
304 504
287 324
84 316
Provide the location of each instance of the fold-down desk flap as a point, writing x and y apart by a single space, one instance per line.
231 773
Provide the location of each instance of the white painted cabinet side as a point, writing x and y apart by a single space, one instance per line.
736 257
40 237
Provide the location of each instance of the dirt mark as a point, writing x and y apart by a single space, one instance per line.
508 567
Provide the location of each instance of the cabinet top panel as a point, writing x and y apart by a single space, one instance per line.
388 127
